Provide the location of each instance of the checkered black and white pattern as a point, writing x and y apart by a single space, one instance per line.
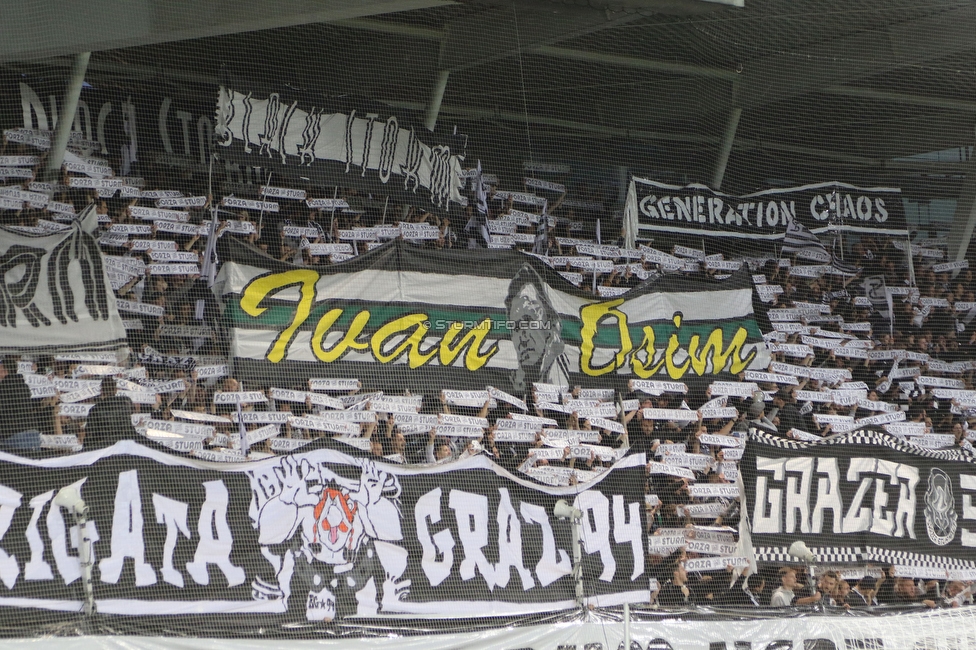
824 554
907 558
865 437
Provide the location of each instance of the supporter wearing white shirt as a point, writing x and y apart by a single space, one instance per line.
784 596
957 594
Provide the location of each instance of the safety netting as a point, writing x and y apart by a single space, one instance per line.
476 323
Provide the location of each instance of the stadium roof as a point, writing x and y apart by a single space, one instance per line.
852 91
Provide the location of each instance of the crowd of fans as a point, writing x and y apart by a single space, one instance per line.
839 362
793 586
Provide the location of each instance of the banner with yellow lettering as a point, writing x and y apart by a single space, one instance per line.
405 316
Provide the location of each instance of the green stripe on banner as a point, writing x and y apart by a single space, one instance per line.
278 316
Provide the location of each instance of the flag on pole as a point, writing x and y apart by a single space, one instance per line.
801 241
541 245
838 262
209 270
630 217
241 429
478 223
842 266
876 290
805 244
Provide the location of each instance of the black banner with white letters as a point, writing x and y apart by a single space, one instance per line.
315 536
336 142
302 139
698 210
128 126
862 496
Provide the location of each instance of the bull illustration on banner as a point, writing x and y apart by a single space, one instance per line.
330 539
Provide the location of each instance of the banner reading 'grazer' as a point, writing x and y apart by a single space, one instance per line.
335 145
405 316
54 291
312 536
862 496
698 210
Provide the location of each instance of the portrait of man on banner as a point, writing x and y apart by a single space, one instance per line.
536 332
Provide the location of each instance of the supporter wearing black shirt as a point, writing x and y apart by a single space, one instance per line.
903 594
110 420
863 594
744 592
676 592
640 432
788 414
15 403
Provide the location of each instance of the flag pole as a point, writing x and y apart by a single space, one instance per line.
782 243
840 228
209 268
599 257
911 257
261 217
332 218
541 244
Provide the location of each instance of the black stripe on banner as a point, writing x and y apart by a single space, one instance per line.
401 256
395 377
106 346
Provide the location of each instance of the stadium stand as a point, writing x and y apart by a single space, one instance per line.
698 395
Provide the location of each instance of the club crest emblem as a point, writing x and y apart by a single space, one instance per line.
940 512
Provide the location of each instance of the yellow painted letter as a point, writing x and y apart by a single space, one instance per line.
645 369
348 339
261 287
719 355
415 357
472 341
591 316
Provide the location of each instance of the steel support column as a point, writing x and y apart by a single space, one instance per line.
436 97
68 108
728 139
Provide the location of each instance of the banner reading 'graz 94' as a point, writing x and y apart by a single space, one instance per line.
313 536
401 315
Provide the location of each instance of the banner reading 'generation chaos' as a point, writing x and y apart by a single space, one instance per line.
698 210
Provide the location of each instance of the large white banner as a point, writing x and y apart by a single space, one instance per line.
937 629
55 293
